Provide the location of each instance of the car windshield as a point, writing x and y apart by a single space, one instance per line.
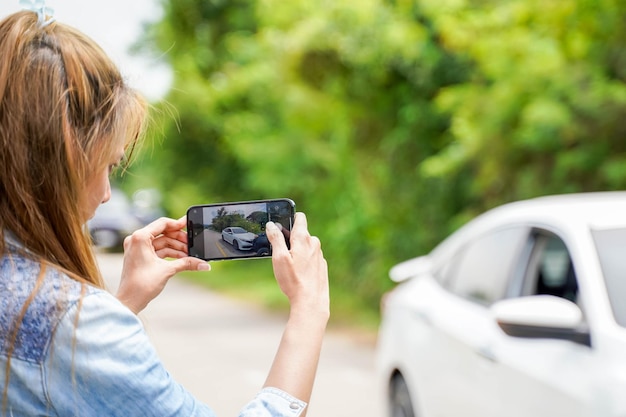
239 230
611 246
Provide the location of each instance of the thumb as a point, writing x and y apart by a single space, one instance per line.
276 238
189 263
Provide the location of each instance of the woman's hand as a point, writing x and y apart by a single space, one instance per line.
301 271
302 274
145 271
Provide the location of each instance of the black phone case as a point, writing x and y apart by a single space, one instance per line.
236 230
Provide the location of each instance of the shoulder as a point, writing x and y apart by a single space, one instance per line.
33 298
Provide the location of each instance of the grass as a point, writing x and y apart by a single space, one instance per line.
253 281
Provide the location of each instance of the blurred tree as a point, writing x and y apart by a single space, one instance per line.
389 122
543 112
328 103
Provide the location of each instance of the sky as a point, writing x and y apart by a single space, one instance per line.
115 25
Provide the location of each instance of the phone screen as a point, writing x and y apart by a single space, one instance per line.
236 230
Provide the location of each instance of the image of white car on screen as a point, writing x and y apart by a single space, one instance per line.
239 237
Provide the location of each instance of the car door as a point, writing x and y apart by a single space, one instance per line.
543 377
227 235
459 362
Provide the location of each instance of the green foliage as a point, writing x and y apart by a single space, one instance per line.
226 219
390 123
542 112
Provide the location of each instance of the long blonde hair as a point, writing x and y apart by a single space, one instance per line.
64 110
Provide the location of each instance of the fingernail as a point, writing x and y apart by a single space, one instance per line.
204 267
270 225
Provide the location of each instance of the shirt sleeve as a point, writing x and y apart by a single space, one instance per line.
271 402
101 363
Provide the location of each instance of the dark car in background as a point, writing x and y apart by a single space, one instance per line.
118 218
261 245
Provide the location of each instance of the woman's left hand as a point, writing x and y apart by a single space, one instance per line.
146 271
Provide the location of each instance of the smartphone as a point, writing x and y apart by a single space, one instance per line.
236 230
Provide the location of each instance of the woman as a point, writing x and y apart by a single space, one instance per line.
68 347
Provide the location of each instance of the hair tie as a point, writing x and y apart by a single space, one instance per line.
44 13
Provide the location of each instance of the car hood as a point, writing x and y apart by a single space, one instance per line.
410 268
245 236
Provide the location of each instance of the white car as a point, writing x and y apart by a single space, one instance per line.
520 313
239 237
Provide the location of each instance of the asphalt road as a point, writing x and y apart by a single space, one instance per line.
220 349
216 247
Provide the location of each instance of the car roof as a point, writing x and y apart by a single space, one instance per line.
594 210
581 211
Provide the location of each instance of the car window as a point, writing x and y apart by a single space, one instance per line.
611 247
482 269
549 268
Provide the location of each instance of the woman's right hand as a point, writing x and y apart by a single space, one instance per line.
302 274
301 271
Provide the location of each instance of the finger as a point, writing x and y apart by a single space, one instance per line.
139 238
300 222
175 225
316 244
299 232
190 264
170 253
164 245
163 225
276 238
171 241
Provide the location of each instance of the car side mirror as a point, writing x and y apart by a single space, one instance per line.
541 316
